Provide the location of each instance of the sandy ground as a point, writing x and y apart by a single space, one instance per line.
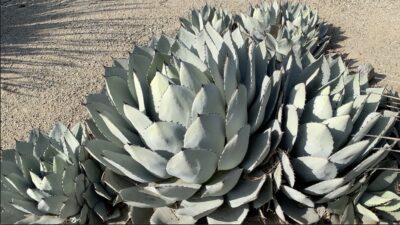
53 52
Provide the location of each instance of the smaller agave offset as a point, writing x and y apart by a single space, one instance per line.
52 179
375 201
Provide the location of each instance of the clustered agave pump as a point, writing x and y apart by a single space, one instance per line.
51 179
237 114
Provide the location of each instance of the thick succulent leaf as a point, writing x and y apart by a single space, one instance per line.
110 123
311 168
51 183
185 36
277 175
91 125
191 77
52 204
28 207
92 170
250 79
119 93
358 106
230 80
165 136
14 217
140 215
23 148
208 101
383 180
214 72
372 200
80 187
257 109
297 97
393 205
324 187
366 126
193 165
259 148
261 54
206 132
337 206
127 166
235 150
199 207
340 128
338 192
83 216
152 161
167 215
37 194
314 139
143 198
178 190
371 105
344 109
6 199
278 210
275 93
158 87
367 163
101 191
177 105
101 211
347 155
290 127
265 195
287 168
228 215
34 219
41 146
293 69
95 149
317 109
245 191
114 181
221 183
348 216
384 125
297 196
184 54
236 115
138 74
57 131
368 217
302 215
8 167
139 120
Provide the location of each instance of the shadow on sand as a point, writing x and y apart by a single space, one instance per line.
25 29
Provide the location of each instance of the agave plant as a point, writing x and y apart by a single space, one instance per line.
283 25
213 126
51 179
376 200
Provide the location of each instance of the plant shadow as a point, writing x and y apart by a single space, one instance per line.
27 29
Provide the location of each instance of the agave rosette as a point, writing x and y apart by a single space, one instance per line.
51 179
213 125
283 25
